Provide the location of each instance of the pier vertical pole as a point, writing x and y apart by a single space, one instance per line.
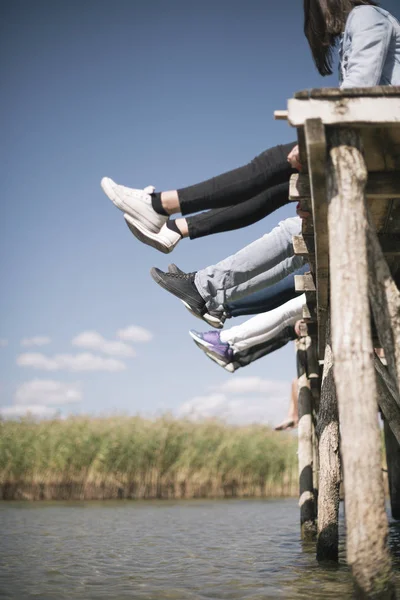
305 440
367 526
329 462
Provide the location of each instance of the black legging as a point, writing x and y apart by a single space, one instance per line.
240 215
239 197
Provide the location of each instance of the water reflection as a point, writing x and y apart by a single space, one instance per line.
235 549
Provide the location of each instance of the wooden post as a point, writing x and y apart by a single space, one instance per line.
367 527
305 437
393 466
385 303
388 399
329 462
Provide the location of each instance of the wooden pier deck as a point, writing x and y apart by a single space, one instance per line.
350 183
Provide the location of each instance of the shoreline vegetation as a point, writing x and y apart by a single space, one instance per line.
83 458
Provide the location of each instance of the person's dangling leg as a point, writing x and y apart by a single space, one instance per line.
261 264
267 298
266 170
253 332
246 357
147 212
246 213
264 327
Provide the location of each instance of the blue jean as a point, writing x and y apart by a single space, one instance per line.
259 265
266 299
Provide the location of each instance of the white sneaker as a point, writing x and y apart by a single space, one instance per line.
136 203
164 241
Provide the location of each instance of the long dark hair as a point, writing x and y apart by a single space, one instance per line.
324 21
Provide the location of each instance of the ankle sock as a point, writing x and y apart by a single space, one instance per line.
156 204
171 224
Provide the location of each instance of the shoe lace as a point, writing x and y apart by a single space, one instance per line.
184 276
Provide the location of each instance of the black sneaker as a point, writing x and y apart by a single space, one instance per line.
212 317
182 286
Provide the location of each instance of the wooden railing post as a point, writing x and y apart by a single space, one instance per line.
329 462
305 439
367 527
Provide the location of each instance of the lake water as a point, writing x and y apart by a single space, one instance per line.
195 550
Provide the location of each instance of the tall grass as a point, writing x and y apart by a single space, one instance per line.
133 457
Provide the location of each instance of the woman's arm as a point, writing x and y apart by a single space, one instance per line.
370 34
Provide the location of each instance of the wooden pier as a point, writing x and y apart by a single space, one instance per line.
350 183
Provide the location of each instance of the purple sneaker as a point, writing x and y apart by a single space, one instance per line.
211 341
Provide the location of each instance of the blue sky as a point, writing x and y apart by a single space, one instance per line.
146 93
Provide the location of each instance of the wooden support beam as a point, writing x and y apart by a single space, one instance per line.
304 283
329 462
316 159
280 115
380 185
393 465
305 439
367 527
388 400
385 303
352 111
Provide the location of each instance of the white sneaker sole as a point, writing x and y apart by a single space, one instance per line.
147 237
212 321
147 225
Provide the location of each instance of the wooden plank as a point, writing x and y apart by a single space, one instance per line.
354 111
380 185
280 115
379 90
316 157
299 246
304 283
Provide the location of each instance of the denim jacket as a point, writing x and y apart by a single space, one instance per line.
370 48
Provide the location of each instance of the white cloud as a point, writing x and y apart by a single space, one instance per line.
271 407
36 410
133 333
92 340
70 362
47 392
39 340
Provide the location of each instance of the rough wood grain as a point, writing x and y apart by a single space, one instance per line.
393 464
305 440
329 462
380 185
316 157
335 93
367 527
385 303
357 111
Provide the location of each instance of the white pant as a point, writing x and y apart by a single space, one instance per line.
265 326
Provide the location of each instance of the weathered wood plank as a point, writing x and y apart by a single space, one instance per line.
380 185
366 520
316 158
393 464
334 93
304 283
351 111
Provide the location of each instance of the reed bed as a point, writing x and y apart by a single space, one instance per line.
132 457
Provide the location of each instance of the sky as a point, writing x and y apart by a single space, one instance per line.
160 93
